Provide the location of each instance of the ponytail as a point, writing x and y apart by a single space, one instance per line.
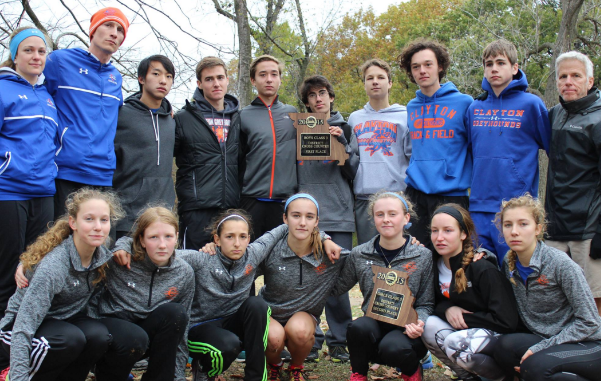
316 244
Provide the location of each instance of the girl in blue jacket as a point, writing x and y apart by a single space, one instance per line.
28 128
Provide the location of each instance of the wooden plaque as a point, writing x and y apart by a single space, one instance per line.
313 138
391 300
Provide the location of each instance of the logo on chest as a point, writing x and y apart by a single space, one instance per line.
410 267
321 268
76 283
218 271
248 269
542 280
171 293
282 268
112 79
131 285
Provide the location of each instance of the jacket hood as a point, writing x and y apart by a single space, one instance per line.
390 109
134 101
230 103
591 102
519 83
9 74
446 89
336 119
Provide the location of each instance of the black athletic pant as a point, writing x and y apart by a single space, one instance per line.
194 227
215 344
563 362
21 223
382 343
156 337
63 189
65 349
424 206
265 215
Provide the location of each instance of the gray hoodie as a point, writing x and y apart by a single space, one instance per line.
384 149
144 150
59 288
557 303
330 183
414 260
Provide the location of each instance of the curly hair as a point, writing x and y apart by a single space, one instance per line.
534 206
149 216
386 194
60 230
440 51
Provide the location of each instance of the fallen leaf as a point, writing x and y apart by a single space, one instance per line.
377 378
374 367
313 377
448 373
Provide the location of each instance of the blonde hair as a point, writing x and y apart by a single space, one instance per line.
60 230
316 244
149 216
468 246
535 207
379 63
386 194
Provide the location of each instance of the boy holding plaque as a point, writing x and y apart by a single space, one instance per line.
330 183
374 340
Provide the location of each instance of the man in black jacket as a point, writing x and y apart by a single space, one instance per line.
206 153
573 200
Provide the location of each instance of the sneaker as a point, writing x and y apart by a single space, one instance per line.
274 372
417 376
296 373
339 354
4 374
285 355
427 361
130 377
358 377
313 355
241 357
198 374
141 365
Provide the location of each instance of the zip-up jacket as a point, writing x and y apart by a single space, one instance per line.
415 260
28 131
556 302
440 160
88 96
505 134
488 296
59 287
384 148
207 175
573 199
268 140
330 183
144 151
294 283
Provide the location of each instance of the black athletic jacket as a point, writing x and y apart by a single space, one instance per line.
573 200
207 175
488 296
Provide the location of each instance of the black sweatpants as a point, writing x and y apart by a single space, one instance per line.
156 337
194 226
424 206
21 223
64 349
63 189
382 343
215 344
563 362
265 215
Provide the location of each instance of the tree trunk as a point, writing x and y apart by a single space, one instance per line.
244 86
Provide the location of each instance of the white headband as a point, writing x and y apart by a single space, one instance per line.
231 216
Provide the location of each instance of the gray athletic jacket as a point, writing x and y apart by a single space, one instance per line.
59 287
557 303
268 145
414 260
330 183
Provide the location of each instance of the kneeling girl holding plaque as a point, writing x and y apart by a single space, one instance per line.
474 301
390 332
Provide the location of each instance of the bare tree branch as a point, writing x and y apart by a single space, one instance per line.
222 11
76 21
36 21
60 36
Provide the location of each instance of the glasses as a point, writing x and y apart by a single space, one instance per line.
321 93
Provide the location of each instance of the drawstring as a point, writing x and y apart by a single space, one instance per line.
157 136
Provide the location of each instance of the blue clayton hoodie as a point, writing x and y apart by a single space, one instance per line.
506 133
28 130
440 160
384 149
88 96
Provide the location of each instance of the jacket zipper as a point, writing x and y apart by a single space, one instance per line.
301 270
151 283
274 148
88 280
194 181
62 135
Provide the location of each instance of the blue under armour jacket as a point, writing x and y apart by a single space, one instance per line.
28 129
88 96
506 133
440 162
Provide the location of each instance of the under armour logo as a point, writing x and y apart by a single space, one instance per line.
76 283
131 284
369 262
83 71
23 96
282 268
219 271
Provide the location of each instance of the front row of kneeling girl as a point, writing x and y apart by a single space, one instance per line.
535 319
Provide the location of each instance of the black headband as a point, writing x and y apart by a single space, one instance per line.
453 213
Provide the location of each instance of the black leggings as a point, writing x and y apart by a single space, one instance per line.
563 362
382 343
217 343
64 349
156 337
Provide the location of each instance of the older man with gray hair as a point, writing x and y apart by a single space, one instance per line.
574 180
